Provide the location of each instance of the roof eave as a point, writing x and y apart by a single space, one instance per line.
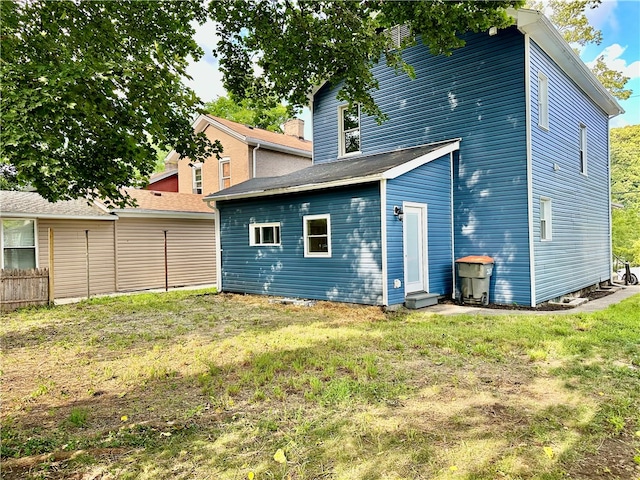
55 216
162 213
542 31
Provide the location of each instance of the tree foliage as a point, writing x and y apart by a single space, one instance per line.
247 112
287 48
90 87
569 17
625 190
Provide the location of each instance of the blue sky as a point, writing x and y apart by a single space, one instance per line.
619 21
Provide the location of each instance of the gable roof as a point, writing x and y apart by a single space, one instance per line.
156 177
350 171
151 202
252 136
32 205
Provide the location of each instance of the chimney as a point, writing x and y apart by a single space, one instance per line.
295 128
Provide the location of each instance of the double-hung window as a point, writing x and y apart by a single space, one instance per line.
349 128
19 244
197 178
543 101
317 235
583 149
225 173
261 234
545 219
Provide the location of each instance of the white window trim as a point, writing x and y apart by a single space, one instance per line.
583 149
543 101
259 226
546 215
35 240
195 168
341 132
221 176
305 237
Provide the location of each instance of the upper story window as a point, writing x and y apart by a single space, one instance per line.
225 173
197 177
543 101
349 129
583 149
317 235
397 34
19 244
264 234
545 218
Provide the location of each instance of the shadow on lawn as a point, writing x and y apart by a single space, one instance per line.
356 400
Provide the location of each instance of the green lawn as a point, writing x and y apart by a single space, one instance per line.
198 385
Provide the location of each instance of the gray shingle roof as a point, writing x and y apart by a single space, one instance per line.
351 170
32 205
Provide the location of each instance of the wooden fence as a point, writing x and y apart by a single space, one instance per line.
22 288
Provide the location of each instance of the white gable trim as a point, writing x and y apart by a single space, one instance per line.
418 162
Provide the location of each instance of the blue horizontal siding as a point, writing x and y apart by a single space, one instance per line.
578 254
353 273
429 184
477 94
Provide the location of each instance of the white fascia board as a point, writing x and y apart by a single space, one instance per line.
54 216
164 214
541 31
418 162
277 147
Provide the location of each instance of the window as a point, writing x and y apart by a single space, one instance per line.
543 101
397 34
317 235
583 149
18 244
264 234
225 173
545 218
197 178
349 129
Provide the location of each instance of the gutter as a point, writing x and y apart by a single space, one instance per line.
162 214
54 216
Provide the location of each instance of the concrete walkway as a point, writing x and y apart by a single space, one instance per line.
592 306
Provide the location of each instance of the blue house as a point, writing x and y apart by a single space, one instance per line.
500 149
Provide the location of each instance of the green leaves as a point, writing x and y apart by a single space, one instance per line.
287 49
90 87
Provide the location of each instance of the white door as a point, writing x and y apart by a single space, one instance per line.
415 248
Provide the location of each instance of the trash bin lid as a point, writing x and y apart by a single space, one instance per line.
483 259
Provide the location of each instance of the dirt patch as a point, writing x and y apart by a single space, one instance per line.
613 459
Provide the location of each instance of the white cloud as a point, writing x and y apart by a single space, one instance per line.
612 59
206 77
603 15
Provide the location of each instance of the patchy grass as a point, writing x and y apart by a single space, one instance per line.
204 385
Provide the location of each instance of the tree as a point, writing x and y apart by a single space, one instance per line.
285 48
625 190
245 111
90 87
568 16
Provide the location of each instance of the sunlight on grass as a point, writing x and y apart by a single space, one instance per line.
213 386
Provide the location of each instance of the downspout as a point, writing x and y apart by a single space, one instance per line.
212 205
255 149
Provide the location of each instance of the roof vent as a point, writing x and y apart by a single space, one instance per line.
156 194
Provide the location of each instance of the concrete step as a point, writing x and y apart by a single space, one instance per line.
417 300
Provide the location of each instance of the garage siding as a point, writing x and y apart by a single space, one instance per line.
140 252
71 259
